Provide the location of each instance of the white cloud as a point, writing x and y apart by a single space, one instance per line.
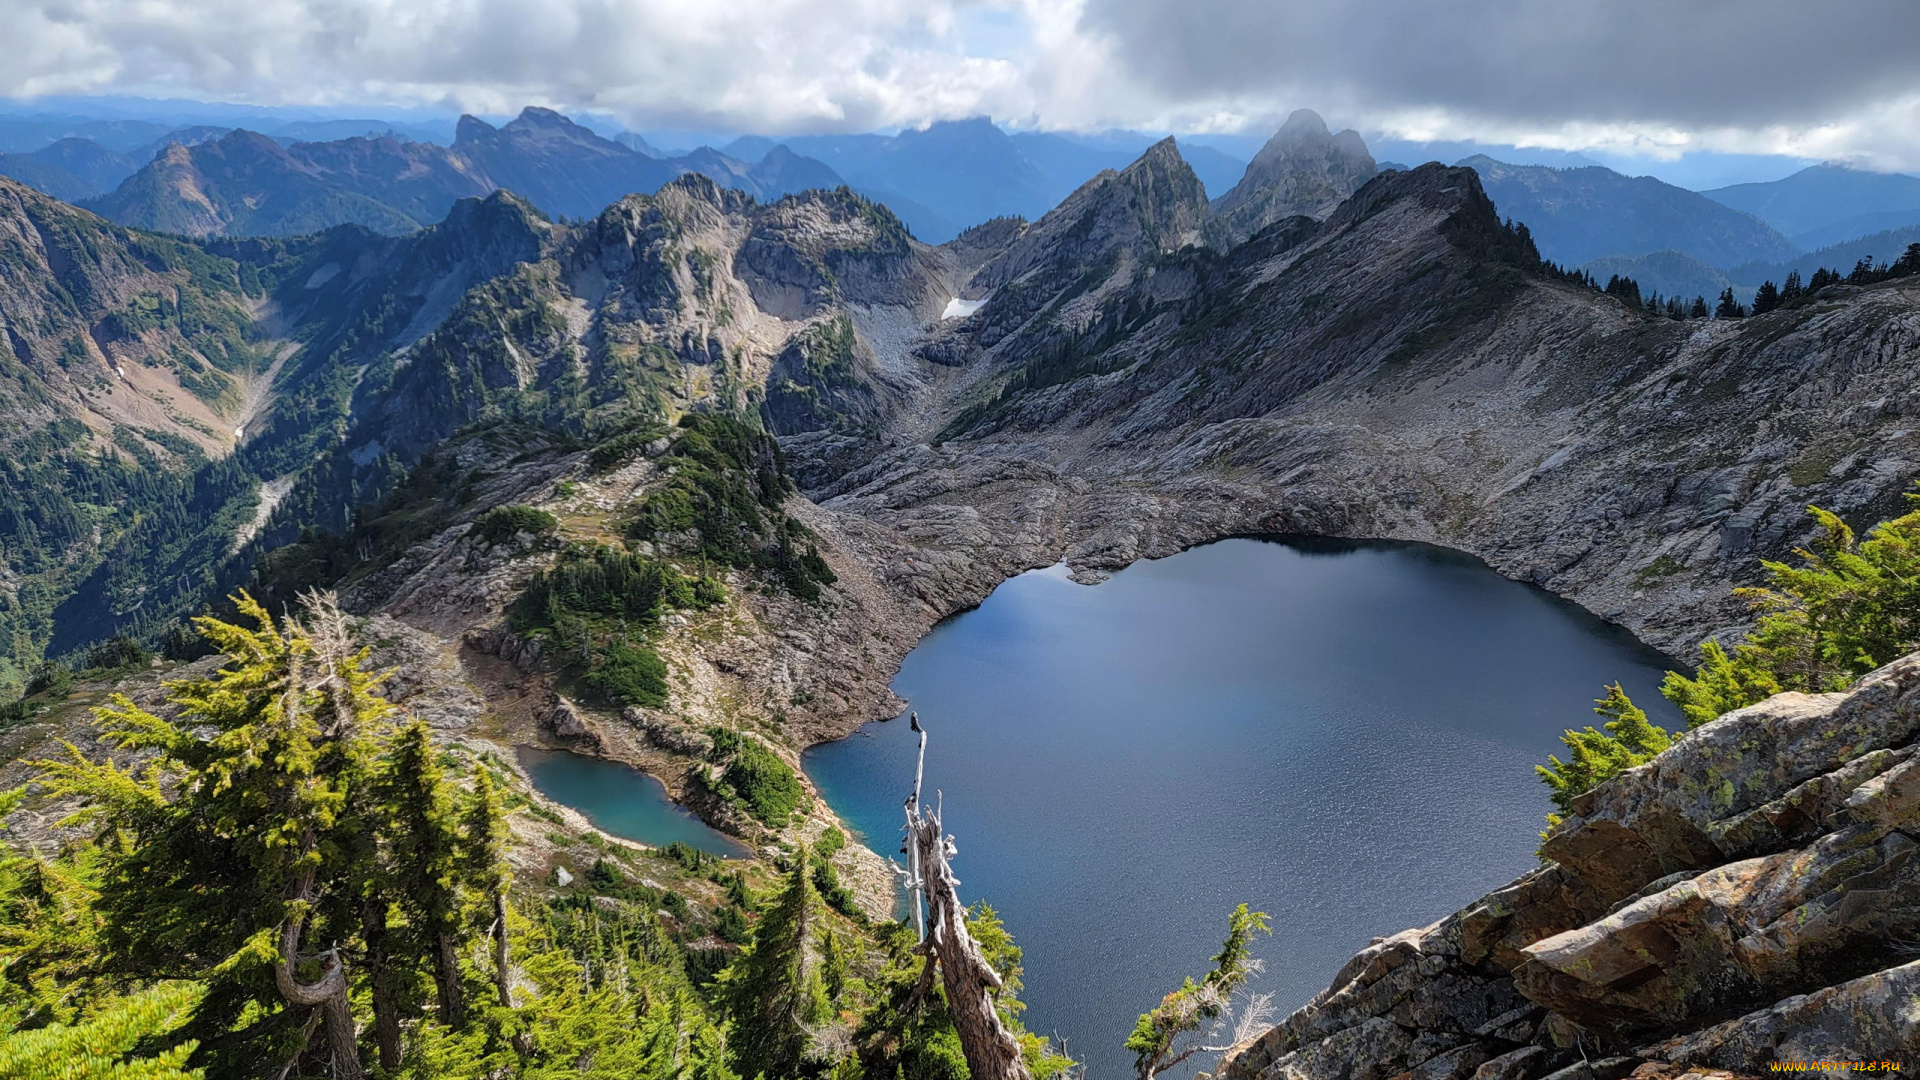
1650 78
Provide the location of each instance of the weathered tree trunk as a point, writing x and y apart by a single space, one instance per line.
342 1039
329 994
503 972
453 999
386 1008
991 1050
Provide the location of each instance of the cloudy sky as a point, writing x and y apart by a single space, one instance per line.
1651 79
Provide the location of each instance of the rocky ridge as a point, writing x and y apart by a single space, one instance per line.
1404 369
1749 896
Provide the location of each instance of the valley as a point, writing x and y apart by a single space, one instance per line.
681 483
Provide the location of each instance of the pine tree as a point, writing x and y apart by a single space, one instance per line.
1166 1036
773 991
412 792
1699 308
1729 308
102 1046
1792 288
1629 739
229 861
483 865
1766 298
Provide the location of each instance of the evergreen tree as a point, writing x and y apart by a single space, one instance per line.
412 792
1822 278
1729 308
228 852
103 1046
1849 607
1766 298
773 991
1699 308
1165 1036
483 865
1792 289
1629 739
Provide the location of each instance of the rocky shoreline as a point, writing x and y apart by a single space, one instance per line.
1751 895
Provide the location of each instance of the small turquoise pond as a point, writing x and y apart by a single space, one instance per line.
620 800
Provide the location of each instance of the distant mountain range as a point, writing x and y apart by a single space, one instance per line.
1828 204
1581 214
245 183
948 176
210 181
307 175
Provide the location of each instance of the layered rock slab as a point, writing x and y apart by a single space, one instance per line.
1751 895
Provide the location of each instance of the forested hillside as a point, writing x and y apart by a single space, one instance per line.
679 485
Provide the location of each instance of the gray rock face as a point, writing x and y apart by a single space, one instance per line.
668 734
1386 373
566 721
1304 170
1669 907
1873 1018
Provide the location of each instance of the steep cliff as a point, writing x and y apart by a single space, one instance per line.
1404 369
1750 896
1303 170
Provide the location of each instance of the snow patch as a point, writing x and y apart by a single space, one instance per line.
323 275
960 309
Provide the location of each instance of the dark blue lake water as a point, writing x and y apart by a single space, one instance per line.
620 800
1341 734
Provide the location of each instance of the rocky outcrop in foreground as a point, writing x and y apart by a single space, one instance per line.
1750 896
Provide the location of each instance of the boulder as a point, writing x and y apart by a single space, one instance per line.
565 720
1522 1064
1873 1018
668 734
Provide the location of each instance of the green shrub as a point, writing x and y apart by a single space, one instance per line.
838 896
728 484
630 675
758 779
506 522
730 924
52 679
690 858
599 581
17 712
118 652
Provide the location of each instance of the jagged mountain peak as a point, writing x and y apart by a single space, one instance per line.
538 116
1301 124
1302 170
469 129
1164 154
498 209
1154 205
1432 184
